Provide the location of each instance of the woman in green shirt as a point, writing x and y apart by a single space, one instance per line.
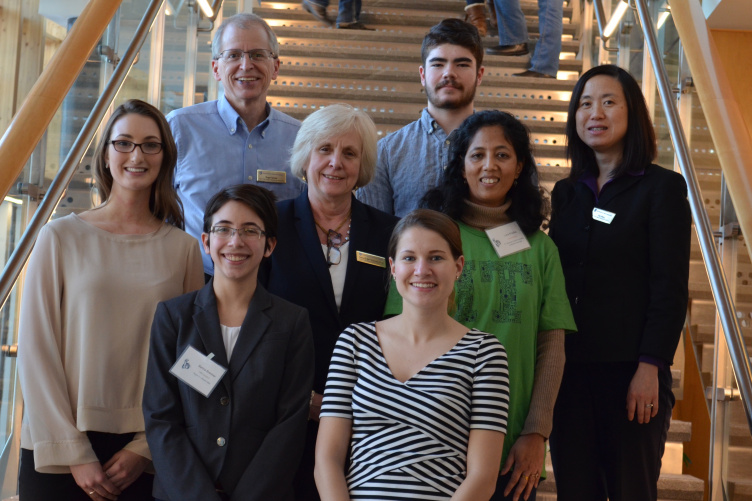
490 184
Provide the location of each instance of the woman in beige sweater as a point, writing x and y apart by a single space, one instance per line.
92 286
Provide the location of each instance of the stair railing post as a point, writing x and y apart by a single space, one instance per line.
718 282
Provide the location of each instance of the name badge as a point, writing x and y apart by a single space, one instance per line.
603 216
372 259
507 239
198 371
271 176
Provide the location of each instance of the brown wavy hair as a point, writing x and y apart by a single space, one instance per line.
164 203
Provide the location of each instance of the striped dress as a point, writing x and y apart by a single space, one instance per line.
409 440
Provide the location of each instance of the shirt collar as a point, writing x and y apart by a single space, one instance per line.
590 180
427 122
232 120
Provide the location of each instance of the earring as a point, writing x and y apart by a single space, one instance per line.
107 166
515 183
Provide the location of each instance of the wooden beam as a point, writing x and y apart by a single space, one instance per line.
36 112
10 27
722 112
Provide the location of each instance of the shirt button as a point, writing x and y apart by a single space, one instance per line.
232 130
224 401
250 146
221 441
250 178
447 142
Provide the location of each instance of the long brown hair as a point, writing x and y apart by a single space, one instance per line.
164 203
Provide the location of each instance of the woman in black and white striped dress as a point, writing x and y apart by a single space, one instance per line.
420 401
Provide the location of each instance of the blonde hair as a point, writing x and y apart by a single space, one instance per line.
332 121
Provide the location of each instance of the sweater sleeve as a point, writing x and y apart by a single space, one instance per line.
549 369
669 237
56 441
194 269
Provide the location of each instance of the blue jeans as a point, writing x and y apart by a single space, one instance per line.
513 30
349 10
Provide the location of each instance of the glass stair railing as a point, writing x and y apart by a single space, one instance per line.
646 42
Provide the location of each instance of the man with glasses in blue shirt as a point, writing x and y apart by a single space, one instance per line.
238 138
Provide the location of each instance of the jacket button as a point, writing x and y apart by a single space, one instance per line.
224 401
221 441
587 227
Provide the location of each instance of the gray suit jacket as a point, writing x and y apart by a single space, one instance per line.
248 435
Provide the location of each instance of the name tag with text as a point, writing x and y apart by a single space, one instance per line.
507 239
603 216
198 371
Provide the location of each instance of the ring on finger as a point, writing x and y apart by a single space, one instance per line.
92 492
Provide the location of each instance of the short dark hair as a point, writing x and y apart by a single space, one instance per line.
454 32
163 200
529 207
258 199
639 141
430 220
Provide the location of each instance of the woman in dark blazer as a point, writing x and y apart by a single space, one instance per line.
244 439
622 225
331 251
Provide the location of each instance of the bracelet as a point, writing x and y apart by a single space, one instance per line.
310 402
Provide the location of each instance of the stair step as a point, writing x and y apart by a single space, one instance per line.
377 18
382 117
740 489
385 36
342 93
453 6
333 51
388 74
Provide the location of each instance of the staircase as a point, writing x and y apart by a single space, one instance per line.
377 71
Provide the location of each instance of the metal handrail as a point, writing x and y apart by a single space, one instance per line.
718 283
58 186
719 286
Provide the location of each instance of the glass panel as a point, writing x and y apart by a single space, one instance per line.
176 56
732 451
44 164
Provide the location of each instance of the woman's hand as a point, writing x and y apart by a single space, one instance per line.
315 408
526 457
124 468
642 395
91 478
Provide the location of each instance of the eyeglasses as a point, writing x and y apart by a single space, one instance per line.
333 241
147 148
236 55
226 232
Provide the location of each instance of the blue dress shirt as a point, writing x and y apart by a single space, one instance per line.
411 162
216 150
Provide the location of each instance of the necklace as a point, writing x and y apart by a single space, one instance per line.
334 234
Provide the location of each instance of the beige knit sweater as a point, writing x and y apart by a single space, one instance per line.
87 306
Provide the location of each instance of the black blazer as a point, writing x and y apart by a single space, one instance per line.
297 271
627 281
248 435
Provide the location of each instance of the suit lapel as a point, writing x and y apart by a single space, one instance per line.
309 239
617 187
206 320
254 327
358 238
